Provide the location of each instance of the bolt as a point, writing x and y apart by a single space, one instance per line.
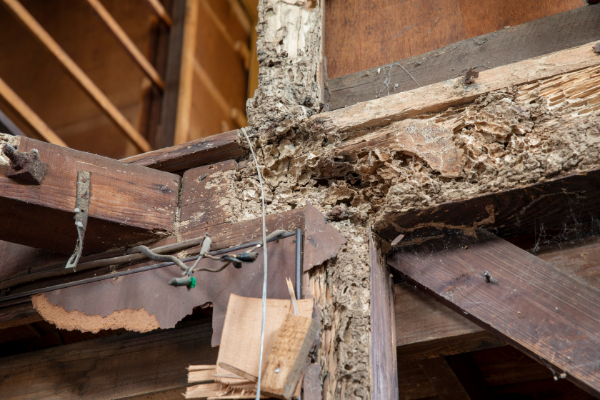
11 153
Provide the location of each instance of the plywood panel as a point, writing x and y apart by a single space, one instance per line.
492 15
363 34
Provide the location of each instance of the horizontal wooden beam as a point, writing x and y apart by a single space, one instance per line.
113 367
513 294
18 314
507 46
128 203
210 150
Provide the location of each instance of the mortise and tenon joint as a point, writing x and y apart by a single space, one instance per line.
25 168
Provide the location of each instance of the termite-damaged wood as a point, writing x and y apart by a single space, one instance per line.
532 39
210 150
133 363
128 203
548 315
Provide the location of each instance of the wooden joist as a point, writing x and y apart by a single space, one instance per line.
515 295
134 364
210 150
128 203
517 43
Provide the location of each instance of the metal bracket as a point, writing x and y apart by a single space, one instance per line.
82 206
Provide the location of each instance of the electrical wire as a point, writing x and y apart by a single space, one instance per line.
264 294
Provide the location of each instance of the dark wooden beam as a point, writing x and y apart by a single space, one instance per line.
513 294
210 150
128 203
426 328
384 368
113 367
517 43
18 314
443 379
557 210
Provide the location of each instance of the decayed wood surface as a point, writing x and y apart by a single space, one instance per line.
128 204
517 43
453 92
212 149
78 75
384 368
134 364
546 314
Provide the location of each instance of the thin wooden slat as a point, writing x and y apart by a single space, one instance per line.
126 42
524 300
29 116
160 11
77 73
186 77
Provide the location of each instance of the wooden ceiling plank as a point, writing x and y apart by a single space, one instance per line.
515 295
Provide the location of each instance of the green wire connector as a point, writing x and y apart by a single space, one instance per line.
192 283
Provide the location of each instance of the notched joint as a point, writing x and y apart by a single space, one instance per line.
25 168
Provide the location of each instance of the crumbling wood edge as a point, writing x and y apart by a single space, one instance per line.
517 43
210 150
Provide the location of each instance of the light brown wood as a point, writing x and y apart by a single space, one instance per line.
452 92
238 372
288 356
128 203
29 116
160 11
204 375
126 42
184 102
78 75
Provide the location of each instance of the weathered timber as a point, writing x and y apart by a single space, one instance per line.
181 157
128 203
18 314
517 43
443 379
134 364
425 328
513 294
560 208
384 368
454 92
470 376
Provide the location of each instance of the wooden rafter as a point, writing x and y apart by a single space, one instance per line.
517 296
77 74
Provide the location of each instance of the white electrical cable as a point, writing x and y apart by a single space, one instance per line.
264 294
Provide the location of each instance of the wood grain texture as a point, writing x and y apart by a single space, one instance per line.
545 314
453 92
80 77
17 315
426 328
360 35
210 150
443 379
288 356
384 375
134 364
532 39
480 19
128 203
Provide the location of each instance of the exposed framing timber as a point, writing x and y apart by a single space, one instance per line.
520 298
134 364
210 150
160 11
28 115
77 74
532 39
128 203
122 37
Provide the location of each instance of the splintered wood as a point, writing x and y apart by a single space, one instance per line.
288 356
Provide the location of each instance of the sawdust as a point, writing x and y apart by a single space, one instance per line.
131 320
